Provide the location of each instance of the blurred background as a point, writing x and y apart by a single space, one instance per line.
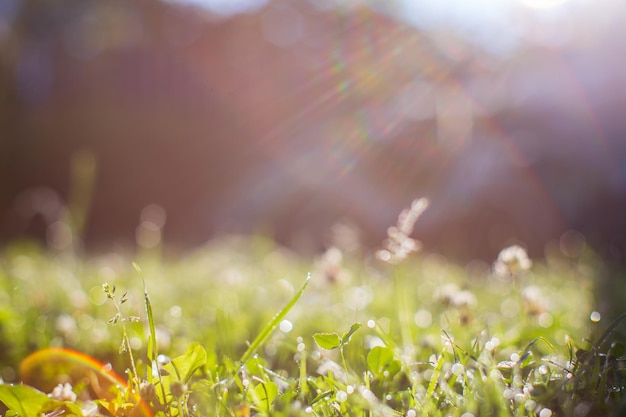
183 120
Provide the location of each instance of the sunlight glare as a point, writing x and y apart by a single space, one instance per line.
226 7
543 4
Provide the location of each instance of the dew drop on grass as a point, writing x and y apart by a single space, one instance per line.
285 326
545 412
371 324
508 393
457 369
301 346
308 410
595 317
411 413
163 359
349 389
341 396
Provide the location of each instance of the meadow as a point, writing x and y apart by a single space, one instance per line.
243 326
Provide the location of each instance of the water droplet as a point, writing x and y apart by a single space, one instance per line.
341 396
546 412
595 317
457 369
285 326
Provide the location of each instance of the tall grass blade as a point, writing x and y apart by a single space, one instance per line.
269 328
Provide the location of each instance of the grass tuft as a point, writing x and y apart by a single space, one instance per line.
437 339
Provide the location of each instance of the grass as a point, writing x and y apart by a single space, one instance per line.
236 329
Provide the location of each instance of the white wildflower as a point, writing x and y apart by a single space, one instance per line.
534 301
63 392
463 299
398 244
512 261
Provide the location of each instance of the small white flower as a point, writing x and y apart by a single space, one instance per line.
463 299
398 244
63 392
512 261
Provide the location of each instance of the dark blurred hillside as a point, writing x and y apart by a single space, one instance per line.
295 117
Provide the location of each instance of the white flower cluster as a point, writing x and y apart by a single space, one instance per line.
398 244
512 261
63 392
451 295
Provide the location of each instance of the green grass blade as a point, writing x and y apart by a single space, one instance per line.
152 345
269 328
435 377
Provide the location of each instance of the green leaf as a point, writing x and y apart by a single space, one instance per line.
328 341
186 364
346 337
264 395
378 359
25 400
